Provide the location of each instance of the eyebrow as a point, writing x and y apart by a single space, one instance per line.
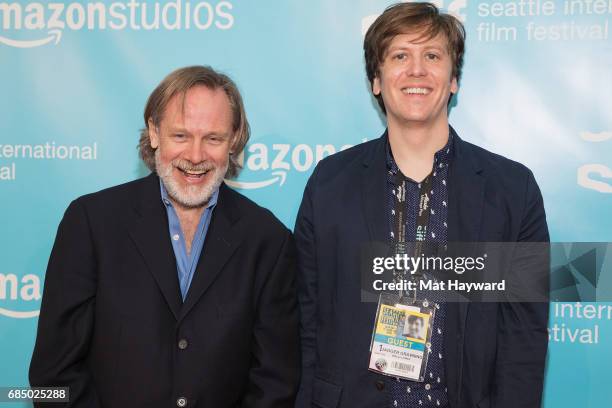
177 129
427 47
219 133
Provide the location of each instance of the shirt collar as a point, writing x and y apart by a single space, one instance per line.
442 156
168 203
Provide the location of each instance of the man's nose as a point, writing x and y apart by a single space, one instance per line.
196 152
417 67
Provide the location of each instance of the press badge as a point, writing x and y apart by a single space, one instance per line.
401 340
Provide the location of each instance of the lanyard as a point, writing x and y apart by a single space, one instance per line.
422 219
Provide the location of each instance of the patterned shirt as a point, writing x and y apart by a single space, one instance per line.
432 392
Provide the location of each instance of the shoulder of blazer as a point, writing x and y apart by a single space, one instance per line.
350 161
137 194
141 197
237 206
488 163
359 153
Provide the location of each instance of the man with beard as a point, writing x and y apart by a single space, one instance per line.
173 290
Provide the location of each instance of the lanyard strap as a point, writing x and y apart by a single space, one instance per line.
422 220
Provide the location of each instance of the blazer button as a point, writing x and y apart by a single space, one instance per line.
182 344
181 402
380 385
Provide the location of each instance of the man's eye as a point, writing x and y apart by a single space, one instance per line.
432 56
399 57
215 140
178 136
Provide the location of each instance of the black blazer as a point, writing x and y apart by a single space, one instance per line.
113 326
494 353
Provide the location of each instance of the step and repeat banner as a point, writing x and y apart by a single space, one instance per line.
75 75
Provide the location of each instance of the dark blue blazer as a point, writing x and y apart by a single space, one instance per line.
114 328
494 352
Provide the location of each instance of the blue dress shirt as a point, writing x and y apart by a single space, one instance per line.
186 262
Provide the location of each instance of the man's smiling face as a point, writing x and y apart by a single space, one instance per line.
415 80
193 143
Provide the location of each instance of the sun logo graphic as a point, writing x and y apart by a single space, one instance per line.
17 294
20 21
455 7
276 160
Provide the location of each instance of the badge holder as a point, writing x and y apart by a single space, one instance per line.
401 339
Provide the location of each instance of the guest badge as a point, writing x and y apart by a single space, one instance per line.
401 337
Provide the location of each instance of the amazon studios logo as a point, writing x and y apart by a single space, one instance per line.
277 159
24 290
46 21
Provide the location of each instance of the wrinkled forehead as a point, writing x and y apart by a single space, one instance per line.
175 107
178 101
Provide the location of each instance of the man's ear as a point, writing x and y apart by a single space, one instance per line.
376 86
232 142
153 134
454 86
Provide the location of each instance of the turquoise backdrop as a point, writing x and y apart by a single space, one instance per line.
74 78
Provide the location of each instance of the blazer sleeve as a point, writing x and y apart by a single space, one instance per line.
66 318
307 291
522 333
274 374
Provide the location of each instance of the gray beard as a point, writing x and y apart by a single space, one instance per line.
190 196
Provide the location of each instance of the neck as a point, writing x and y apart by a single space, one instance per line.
414 147
188 212
189 218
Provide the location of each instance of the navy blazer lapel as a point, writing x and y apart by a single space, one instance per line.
150 233
220 243
374 191
465 195
466 201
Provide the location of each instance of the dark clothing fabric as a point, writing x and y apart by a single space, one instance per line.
432 393
113 326
494 352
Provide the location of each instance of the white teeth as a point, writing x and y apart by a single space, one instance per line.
420 91
189 173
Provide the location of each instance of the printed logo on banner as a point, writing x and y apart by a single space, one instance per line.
17 294
277 159
455 7
596 176
47 21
